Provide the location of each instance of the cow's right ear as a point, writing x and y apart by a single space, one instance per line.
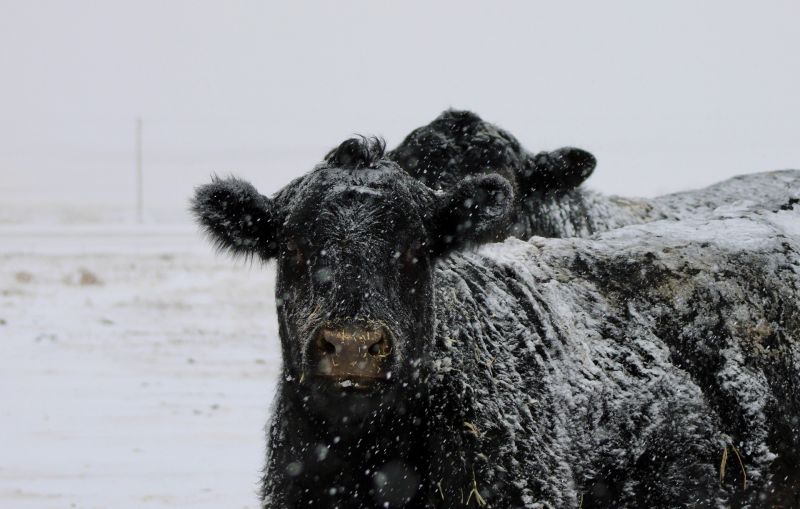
477 210
237 218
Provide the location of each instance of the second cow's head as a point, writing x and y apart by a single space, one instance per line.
355 241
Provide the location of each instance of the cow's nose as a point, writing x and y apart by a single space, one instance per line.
352 352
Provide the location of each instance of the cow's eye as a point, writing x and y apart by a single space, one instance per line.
411 255
295 253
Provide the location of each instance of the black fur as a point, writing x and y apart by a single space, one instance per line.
471 213
236 217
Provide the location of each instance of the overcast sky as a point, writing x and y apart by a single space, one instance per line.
668 95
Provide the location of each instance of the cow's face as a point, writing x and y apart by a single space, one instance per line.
355 242
354 278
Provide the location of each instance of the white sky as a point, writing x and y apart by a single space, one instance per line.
668 96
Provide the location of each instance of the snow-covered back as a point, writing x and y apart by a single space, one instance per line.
582 212
619 369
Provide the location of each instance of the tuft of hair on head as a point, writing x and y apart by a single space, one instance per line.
459 120
359 152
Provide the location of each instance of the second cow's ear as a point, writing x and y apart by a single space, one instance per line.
477 210
557 171
237 218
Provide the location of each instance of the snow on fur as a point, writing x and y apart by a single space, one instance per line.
616 371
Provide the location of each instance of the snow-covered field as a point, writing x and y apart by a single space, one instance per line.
136 369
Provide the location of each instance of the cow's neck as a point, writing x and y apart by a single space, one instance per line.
343 462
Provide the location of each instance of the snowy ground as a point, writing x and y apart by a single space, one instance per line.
136 369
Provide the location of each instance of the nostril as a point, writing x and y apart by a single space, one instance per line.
326 346
380 348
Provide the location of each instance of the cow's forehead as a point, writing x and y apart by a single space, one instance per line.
387 183
343 189
386 190
381 177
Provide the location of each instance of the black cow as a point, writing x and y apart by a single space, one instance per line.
549 198
458 144
652 367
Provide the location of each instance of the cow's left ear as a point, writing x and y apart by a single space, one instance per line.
477 210
237 218
557 171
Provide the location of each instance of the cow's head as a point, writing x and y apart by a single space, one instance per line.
355 241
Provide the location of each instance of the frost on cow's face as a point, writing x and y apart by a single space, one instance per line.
354 277
355 242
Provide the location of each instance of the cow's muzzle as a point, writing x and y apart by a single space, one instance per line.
354 356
